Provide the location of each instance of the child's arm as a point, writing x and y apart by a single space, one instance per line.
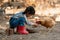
29 23
32 24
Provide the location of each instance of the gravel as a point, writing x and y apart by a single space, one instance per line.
42 34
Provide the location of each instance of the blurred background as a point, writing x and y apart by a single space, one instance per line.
42 7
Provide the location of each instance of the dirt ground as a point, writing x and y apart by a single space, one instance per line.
42 34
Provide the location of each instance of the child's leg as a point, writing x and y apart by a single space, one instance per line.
13 23
21 29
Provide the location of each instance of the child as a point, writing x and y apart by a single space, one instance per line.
20 19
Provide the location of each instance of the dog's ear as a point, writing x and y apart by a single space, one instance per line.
54 17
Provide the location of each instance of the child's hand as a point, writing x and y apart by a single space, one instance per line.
35 25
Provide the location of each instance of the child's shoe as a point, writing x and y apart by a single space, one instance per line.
9 31
22 30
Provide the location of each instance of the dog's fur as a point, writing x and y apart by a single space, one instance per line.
47 22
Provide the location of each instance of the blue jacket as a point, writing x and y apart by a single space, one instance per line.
19 19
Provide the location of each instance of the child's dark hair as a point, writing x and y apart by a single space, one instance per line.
29 10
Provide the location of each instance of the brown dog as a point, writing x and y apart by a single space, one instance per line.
47 22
